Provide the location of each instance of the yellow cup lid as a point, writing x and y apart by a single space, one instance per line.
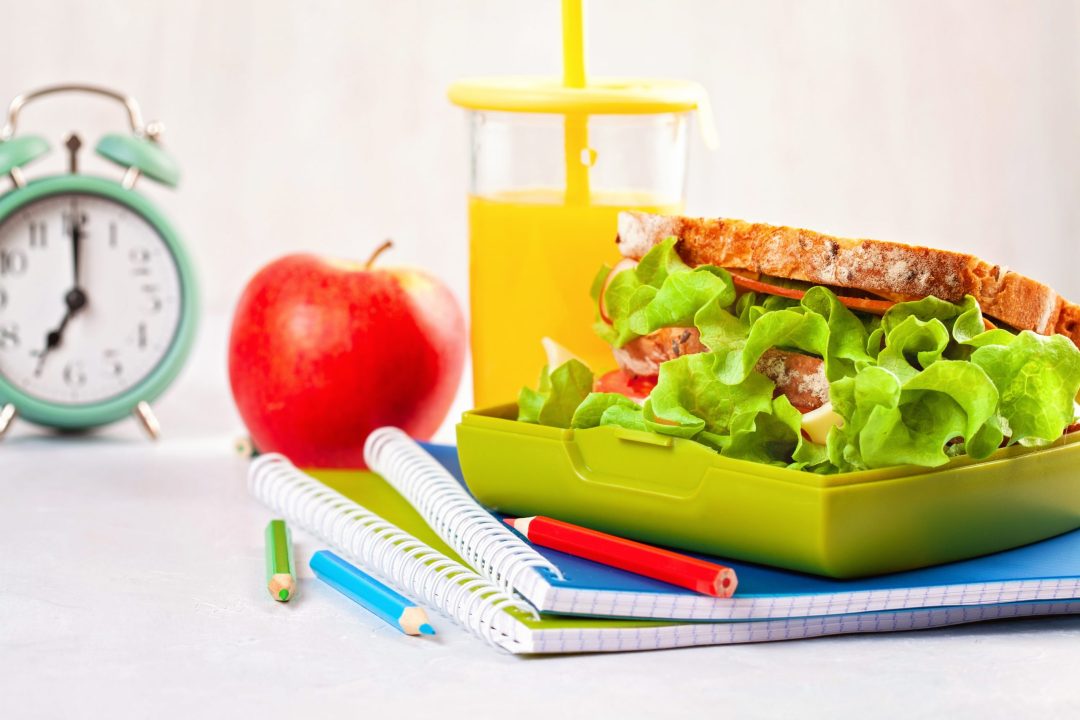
602 96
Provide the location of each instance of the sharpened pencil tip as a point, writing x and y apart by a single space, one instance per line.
426 629
283 594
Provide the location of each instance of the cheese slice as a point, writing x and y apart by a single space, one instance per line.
557 354
817 423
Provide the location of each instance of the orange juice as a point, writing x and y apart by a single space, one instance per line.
532 259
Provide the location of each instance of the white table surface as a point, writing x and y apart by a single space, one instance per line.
132 586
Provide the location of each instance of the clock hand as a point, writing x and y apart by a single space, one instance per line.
75 301
76 245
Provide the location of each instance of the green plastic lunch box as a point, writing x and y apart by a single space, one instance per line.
678 493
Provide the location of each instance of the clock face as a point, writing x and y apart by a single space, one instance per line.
90 299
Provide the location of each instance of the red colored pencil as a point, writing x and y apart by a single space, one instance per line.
671 567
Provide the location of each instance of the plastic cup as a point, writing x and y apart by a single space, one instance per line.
550 169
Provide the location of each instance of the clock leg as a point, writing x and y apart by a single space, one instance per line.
7 417
147 419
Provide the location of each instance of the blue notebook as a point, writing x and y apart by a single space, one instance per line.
419 530
1048 571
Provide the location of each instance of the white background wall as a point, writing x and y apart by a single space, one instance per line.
324 125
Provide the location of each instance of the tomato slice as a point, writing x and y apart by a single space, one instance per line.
867 305
876 307
635 387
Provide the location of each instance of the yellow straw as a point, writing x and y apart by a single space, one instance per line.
576 132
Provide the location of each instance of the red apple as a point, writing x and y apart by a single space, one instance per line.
322 352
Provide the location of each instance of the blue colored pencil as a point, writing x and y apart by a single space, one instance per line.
368 592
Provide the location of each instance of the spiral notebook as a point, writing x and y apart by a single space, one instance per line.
553 582
421 564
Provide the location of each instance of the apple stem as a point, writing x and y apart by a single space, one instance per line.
387 244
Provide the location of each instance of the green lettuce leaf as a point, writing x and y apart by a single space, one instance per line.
531 402
986 440
601 328
774 438
598 281
558 395
875 342
1038 378
661 291
819 325
689 397
963 320
605 332
624 416
617 301
889 421
927 309
608 409
679 298
846 348
744 305
855 399
913 345
721 331
770 303
969 387
649 274
659 263
788 329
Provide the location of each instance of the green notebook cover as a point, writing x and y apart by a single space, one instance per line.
375 494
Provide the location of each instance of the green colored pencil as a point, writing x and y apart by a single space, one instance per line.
280 571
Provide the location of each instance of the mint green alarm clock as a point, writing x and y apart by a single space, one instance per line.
97 294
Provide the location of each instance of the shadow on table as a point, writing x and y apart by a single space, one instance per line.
41 438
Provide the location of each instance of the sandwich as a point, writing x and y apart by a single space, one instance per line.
824 354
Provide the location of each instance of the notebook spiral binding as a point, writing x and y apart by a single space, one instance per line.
411 565
484 542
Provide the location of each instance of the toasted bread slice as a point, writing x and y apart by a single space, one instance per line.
892 270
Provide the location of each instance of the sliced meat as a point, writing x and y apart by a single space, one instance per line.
800 377
643 355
